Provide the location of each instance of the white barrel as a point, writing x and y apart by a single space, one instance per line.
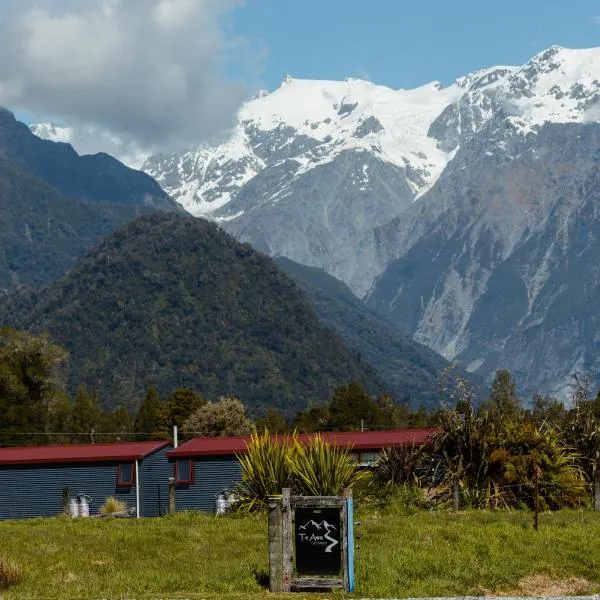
73 508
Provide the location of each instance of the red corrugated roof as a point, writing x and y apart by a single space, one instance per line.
358 440
118 451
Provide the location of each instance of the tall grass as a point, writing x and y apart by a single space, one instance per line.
10 572
427 553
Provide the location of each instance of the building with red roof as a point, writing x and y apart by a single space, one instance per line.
33 479
206 466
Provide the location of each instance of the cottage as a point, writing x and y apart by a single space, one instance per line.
32 478
205 466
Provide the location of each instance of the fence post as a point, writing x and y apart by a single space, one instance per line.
65 500
275 545
171 495
536 498
596 488
455 499
349 566
287 554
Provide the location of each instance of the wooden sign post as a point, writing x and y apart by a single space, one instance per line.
311 542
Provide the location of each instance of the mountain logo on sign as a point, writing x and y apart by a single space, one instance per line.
318 534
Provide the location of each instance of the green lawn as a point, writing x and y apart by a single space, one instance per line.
199 556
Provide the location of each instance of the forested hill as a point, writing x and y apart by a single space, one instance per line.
55 204
43 232
410 369
170 300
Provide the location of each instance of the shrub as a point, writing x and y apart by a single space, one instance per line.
10 573
112 505
399 465
265 471
320 469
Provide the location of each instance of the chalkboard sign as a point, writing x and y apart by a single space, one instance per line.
318 541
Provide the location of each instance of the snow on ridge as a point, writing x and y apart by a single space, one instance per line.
50 131
558 85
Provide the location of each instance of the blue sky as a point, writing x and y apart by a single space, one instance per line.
406 43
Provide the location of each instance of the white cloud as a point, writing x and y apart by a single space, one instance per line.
133 73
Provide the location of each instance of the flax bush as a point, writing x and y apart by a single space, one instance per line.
265 471
320 469
313 468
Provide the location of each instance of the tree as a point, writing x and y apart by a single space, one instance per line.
225 417
29 382
314 419
503 402
86 418
351 407
273 421
181 404
150 419
118 425
58 422
547 409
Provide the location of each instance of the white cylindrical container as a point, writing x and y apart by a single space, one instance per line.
220 504
84 506
73 508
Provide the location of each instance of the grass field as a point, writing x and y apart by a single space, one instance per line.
199 556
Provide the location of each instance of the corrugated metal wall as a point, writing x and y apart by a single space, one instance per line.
213 473
36 490
154 484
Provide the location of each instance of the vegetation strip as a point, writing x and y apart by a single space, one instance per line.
401 552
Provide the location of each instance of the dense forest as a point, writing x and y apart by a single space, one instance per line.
171 301
409 369
35 407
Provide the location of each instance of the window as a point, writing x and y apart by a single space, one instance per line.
184 471
126 475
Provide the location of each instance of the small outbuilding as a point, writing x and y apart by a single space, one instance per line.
205 466
33 478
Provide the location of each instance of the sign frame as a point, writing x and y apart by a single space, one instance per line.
284 558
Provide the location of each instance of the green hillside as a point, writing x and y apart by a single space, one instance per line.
172 301
409 369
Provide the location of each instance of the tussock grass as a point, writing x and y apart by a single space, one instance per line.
399 555
10 573
112 505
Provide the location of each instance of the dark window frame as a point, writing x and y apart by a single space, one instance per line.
192 477
122 483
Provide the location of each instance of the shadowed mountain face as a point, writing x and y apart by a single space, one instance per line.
171 301
55 204
97 178
410 370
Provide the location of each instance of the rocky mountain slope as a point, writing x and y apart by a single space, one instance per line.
431 203
411 369
172 301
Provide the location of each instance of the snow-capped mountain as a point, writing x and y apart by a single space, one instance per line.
466 212
52 132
